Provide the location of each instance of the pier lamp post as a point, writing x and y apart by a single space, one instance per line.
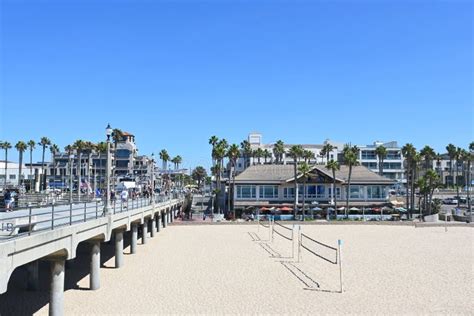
153 179
71 162
108 132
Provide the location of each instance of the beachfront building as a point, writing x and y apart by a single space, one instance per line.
256 141
273 185
459 174
392 163
12 176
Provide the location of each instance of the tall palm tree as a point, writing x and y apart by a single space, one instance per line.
266 154
409 152
326 150
278 151
54 149
459 159
438 157
31 146
452 152
178 160
199 174
79 146
428 154
233 154
295 152
165 157
351 154
21 147
381 153
220 152
5 146
44 143
333 166
89 149
259 154
213 142
304 170
308 155
246 152
469 181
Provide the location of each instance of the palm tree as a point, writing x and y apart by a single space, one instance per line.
409 152
70 149
220 151
381 153
295 152
266 154
213 141
278 151
246 152
44 143
31 145
469 181
351 154
21 147
333 166
178 160
326 150
199 174
259 154
54 149
452 151
233 154
79 146
5 146
428 154
165 157
89 148
304 169
308 155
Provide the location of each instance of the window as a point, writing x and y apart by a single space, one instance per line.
368 154
246 192
311 191
375 192
393 155
338 192
321 191
268 192
357 192
370 165
121 163
2 176
392 165
122 153
12 176
289 193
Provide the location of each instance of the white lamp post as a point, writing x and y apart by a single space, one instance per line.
108 132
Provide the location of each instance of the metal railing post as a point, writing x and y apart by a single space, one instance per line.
96 209
70 214
52 217
29 222
85 210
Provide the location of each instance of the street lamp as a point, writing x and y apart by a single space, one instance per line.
153 179
71 160
108 132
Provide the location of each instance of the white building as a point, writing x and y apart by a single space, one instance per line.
12 176
392 164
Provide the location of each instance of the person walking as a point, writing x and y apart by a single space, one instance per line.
8 198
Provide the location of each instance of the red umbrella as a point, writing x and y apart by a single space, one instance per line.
286 209
264 209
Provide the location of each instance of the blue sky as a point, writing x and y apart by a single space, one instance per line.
176 72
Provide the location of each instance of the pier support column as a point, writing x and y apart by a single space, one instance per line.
164 220
119 249
56 298
153 227
158 220
32 282
94 280
133 244
144 231
172 215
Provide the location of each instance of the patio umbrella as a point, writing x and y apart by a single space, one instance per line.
264 209
330 209
286 209
342 208
316 209
315 203
354 209
401 209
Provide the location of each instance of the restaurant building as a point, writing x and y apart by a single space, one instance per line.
273 185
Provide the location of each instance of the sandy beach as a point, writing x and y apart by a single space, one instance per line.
217 269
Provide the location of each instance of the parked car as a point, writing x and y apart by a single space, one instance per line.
450 201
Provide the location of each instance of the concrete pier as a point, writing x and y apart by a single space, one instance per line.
94 278
56 300
153 227
32 282
164 219
144 231
158 222
133 244
119 249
